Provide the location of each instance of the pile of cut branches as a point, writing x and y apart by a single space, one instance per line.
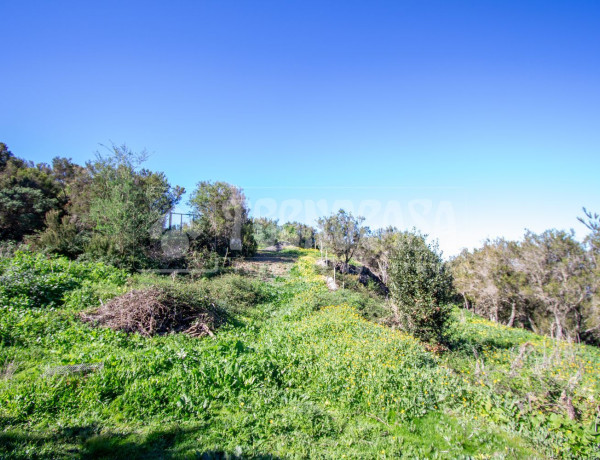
158 310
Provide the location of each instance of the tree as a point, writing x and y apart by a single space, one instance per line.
266 231
126 202
375 251
61 236
547 283
27 193
489 280
221 218
558 276
592 222
591 332
420 287
342 233
298 234
67 230
5 156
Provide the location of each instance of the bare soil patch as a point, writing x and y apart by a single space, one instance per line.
267 264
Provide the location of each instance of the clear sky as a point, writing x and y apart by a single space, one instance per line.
467 119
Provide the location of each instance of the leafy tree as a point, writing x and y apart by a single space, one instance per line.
546 283
5 155
67 229
342 233
221 218
591 332
420 287
61 236
249 245
298 234
266 231
559 277
27 193
592 222
126 202
489 279
375 251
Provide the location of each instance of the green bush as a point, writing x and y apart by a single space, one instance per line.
236 293
35 280
420 287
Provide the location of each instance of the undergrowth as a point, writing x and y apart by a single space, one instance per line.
301 372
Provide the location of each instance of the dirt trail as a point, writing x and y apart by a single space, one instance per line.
267 263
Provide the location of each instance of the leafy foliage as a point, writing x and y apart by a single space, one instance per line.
27 192
546 283
266 231
35 280
375 250
342 233
420 286
61 236
221 219
283 380
126 204
298 234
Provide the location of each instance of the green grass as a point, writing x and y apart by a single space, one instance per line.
300 372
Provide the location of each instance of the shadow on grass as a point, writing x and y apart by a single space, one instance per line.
467 344
287 257
90 441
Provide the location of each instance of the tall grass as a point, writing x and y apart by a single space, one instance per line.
300 373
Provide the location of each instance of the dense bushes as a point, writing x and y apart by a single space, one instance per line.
27 193
547 283
114 210
35 280
237 293
420 287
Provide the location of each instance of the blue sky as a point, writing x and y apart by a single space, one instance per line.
467 119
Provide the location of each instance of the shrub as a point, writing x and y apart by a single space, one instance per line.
35 280
61 236
420 285
236 293
205 262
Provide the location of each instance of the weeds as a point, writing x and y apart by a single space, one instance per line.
298 372
7 370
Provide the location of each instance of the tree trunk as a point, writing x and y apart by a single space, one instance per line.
513 313
466 301
534 327
558 328
578 320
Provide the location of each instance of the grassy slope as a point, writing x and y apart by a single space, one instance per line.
292 378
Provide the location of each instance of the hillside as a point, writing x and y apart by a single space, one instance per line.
296 371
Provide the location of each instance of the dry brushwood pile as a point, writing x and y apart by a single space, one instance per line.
155 311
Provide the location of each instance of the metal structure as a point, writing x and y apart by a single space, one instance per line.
174 226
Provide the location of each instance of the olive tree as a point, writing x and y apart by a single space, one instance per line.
559 278
375 251
489 279
342 233
420 287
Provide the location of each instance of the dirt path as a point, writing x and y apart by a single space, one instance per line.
267 264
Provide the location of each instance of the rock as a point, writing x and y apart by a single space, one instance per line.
331 284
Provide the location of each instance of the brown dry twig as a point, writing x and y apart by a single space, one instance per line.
155 311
